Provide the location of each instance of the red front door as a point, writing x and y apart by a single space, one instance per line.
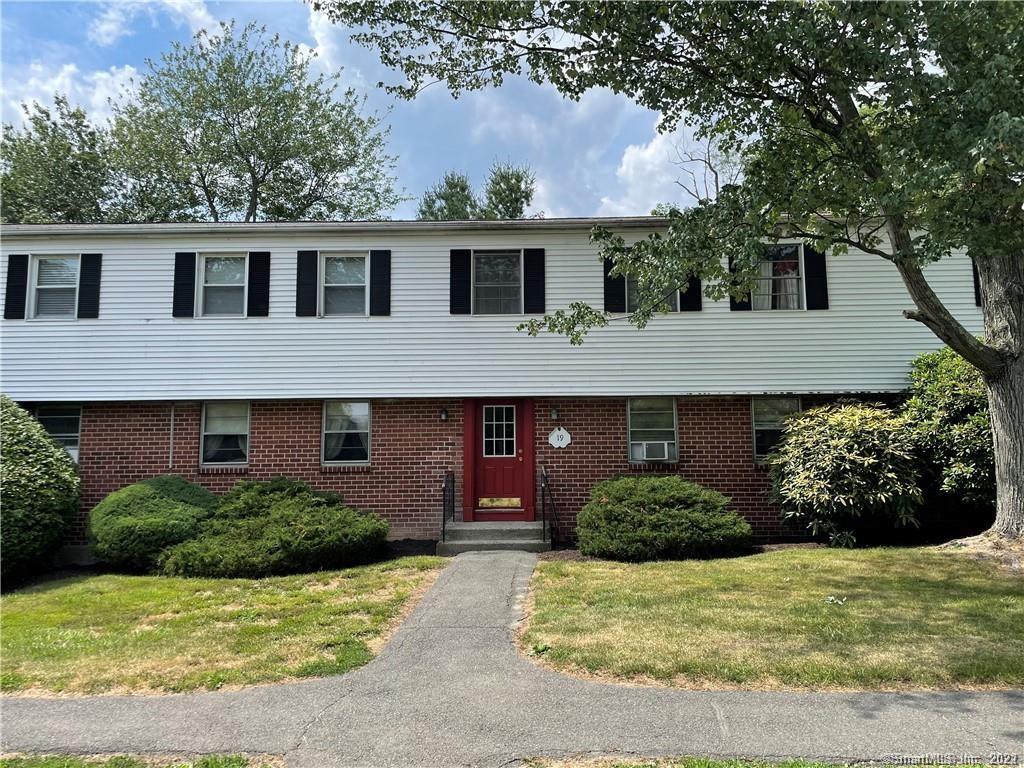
503 460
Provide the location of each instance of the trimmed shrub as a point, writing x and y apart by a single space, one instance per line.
840 466
39 486
948 414
133 525
659 518
255 498
293 531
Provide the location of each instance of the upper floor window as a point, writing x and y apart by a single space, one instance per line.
62 423
346 432
225 433
497 282
54 286
770 414
652 429
780 281
222 285
633 293
343 284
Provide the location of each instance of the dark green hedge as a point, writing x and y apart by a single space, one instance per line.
659 518
39 489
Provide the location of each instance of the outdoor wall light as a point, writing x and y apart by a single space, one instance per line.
554 414
444 414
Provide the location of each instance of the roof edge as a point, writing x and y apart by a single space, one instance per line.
325 227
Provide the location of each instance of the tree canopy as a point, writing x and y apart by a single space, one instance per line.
893 128
507 194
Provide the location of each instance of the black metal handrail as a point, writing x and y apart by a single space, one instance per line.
447 502
547 499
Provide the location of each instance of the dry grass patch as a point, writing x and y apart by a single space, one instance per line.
112 634
798 618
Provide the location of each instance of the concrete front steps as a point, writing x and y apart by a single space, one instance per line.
493 534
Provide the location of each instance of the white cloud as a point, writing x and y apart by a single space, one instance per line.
92 90
646 177
545 200
495 116
329 49
116 18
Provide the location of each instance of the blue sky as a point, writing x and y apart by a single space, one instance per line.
600 156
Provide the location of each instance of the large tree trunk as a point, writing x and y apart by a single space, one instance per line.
1001 278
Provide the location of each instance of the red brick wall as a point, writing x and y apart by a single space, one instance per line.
412 448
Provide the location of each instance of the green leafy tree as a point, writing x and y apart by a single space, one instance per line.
451 199
507 194
55 168
893 128
235 127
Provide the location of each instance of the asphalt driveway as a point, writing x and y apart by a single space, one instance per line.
451 690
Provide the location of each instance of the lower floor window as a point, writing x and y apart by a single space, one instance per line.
770 414
652 429
62 423
346 432
225 433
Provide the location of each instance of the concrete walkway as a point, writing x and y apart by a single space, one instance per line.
450 690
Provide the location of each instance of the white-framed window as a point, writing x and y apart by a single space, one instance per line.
652 427
54 287
632 296
225 438
498 282
768 416
780 281
499 430
222 284
63 423
343 280
346 432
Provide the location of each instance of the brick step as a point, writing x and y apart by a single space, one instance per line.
484 545
495 530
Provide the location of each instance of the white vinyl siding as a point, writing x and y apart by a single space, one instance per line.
54 287
222 284
343 281
498 282
346 433
653 433
768 416
137 351
225 433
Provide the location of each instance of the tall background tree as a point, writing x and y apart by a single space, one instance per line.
893 128
54 168
507 194
233 126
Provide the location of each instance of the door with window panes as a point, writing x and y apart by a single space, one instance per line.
502 478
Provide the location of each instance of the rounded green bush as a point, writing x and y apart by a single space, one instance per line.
840 467
39 486
659 518
133 525
296 532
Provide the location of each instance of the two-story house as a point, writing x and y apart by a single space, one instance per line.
372 358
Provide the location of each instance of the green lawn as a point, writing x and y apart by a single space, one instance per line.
94 634
797 618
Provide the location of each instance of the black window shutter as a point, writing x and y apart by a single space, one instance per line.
17 286
460 282
89 285
380 282
184 303
738 305
690 299
614 290
815 278
306 283
974 274
533 281
259 284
